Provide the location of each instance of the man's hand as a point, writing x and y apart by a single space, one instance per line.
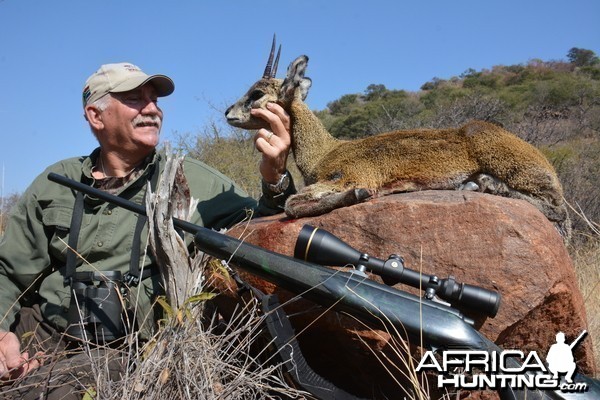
274 144
13 363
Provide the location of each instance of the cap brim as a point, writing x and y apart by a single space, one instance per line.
163 84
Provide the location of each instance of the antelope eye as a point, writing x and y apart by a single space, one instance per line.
255 95
252 97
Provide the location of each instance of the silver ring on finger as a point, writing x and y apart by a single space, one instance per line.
269 136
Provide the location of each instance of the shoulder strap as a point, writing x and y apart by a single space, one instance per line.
287 350
284 338
76 218
133 276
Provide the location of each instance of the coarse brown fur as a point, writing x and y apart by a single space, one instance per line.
477 156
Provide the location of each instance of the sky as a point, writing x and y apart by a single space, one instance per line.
215 50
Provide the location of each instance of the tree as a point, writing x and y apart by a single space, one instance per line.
6 204
343 105
582 57
433 84
374 91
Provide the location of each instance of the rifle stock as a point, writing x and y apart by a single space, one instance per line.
439 325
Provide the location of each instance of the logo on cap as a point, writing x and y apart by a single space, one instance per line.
131 67
86 94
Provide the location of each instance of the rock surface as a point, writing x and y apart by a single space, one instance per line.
498 243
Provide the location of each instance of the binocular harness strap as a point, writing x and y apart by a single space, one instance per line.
133 276
74 238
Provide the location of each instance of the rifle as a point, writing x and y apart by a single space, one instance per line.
439 325
576 341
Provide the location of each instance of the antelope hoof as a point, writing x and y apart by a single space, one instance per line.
470 186
362 194
308 203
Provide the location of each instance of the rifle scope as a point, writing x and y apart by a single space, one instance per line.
321 247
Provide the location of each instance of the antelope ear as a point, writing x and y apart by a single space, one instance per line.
294 79
304 87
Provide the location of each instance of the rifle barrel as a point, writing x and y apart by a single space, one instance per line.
116 200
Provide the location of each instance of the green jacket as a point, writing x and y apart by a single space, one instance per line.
33 248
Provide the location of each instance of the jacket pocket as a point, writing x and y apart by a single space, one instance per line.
58 221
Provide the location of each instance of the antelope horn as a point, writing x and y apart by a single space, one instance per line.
267 73
276 63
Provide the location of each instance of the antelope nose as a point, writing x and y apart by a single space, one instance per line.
227 111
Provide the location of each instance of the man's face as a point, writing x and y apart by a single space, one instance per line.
132 120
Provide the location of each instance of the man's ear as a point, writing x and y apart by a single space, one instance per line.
93 116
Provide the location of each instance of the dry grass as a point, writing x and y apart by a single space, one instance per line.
190 359
586 258
196 353
6 204
587 267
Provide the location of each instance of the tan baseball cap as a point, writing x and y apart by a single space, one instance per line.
122 77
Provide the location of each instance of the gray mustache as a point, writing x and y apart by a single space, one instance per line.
147 120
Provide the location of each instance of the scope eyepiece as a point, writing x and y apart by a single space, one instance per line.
481 299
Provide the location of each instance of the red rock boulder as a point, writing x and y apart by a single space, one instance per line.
498 243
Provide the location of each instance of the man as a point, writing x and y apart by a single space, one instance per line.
560 357
121 106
